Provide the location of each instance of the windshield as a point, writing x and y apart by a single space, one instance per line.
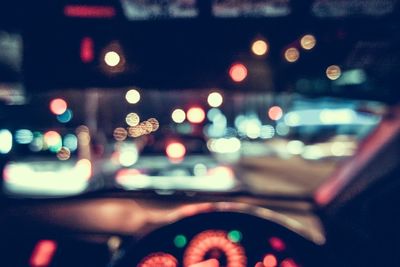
264 97
195 140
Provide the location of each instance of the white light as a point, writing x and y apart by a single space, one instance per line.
178 115
225 145
199 169
295 147
337 116
132 96
47 178
6 141
292 119
128 155
112 58
253 130
215 99
338 149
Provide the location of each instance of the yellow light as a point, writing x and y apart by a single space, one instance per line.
333 72
292 54
215 99
112 58
132 96
132 119
308 42
259 47
178 115
120 134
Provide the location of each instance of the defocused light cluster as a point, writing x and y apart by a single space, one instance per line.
136 129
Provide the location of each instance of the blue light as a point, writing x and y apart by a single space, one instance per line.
65 117
23 136
71 142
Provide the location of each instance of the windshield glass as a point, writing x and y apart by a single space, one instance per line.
195 140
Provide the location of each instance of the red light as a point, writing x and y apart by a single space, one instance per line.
82 11
259 264
275 113
270 261
175 151
43 253
87 50
58 106
208 263
238 72
277 244
196 115
288 263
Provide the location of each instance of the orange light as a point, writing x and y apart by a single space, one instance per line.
270 261
87 50
259 47
292 54
126 175
52 138
196 115
58 106
275 113
238 72
175 150
43 253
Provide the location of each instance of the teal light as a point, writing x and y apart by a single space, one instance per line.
65 117
235 236
180 241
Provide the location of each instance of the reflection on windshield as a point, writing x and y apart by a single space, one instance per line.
203 140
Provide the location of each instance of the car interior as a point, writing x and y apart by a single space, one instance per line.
199 133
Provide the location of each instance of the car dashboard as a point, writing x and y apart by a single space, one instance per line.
170 231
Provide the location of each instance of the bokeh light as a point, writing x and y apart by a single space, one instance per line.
58 106
292 54
259 47
175 150
64 153
275 113
65 117
238 72
6 141
270 261
215 99
196 115
178 115
71 142
53 140
112 58
154 123
308 42
120 134
333 72
132 119
23 136
132 96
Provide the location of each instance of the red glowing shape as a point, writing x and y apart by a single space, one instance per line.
159 259
85 11
175 150
87 50
238 72
214 241
58 106
208 263
43 253
270 261
277 244
288 263
196 115
275 113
